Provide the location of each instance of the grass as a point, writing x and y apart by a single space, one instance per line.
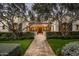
57 44
24 44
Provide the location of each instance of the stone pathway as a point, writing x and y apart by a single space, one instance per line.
39 47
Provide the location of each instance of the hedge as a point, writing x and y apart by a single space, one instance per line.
57 35
9 36
30 35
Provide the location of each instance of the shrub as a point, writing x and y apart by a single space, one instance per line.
57 35
9 36
71 49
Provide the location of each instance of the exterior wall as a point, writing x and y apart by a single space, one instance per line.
16 20
74 28
25 26
55 26
66 19
1 28
20 20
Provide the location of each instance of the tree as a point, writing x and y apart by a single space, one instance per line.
46 10
31 15
8 12
60 13
73 13
63 10
43 10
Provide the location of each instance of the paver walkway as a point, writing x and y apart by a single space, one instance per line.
39 47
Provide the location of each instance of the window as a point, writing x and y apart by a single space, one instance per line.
3 27
15 26
77 26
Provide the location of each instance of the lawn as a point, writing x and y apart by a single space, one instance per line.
57 44
24 44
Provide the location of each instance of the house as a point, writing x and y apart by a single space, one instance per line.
24 27
75 26
18 23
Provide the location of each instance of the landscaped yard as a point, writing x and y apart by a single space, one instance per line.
57 44
24 44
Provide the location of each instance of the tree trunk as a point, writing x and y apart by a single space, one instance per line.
65 29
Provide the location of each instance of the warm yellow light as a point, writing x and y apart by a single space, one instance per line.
35 27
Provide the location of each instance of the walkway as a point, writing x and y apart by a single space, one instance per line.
39 47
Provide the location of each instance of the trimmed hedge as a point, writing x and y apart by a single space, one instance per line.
20 36
57 35
30 35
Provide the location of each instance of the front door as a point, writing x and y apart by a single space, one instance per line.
40 30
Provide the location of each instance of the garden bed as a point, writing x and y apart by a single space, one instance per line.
7 49
24 44
58 44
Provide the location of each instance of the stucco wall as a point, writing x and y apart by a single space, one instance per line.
74 28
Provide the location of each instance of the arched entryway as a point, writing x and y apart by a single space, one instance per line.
40 30
39 27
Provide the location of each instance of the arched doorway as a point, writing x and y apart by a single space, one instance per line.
40 30
39 27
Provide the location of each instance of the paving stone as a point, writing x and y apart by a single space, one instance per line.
39 47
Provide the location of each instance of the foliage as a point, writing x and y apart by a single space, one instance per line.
43 10
9 49
58 35
8 36
24 44
8 14
57 44
59 12
71 49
